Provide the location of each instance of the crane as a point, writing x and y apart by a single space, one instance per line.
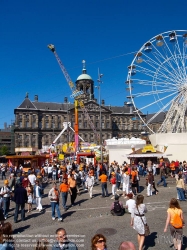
78 96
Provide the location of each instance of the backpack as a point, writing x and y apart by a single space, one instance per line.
177 221
78 179
117 207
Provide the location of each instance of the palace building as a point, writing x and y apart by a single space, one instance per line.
38 123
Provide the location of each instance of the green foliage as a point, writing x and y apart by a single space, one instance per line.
4 150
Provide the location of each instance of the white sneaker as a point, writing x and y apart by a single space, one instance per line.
112 198
60 219
53 218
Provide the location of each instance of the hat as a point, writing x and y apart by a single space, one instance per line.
6 182
112 173
116 197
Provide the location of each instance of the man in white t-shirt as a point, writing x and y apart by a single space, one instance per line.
130 203
32 178
50 169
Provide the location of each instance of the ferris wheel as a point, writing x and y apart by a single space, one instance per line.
157 82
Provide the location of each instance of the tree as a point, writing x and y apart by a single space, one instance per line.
4 150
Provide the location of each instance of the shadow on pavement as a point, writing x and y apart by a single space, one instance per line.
67 214
150 241
141 188
184 243
80 201
46 206
20 229
34 215
95 195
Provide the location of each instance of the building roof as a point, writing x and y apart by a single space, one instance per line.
139 151
84 77
119 109
53 106
158 119
27 104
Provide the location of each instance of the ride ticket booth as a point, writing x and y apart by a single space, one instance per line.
144 154
88 156
27 157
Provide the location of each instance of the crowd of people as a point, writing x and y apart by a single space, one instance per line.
69 179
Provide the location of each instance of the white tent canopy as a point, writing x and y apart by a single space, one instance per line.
119 148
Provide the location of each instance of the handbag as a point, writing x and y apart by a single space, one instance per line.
146 227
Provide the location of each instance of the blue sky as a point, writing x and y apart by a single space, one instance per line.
98 31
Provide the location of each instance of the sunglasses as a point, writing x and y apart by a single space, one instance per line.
100 241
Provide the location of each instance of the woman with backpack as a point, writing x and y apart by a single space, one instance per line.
176 221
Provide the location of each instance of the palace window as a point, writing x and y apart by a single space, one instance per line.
33 124
85 124
27 124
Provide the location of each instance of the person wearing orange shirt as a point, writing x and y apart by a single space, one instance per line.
103 178
64 189
172 167
134 174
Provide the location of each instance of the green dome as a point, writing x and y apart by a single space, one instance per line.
84 77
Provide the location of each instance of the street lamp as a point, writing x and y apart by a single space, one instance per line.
100 124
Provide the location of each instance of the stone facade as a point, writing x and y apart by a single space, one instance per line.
38 123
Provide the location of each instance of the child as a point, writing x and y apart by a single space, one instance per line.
130 203
29 189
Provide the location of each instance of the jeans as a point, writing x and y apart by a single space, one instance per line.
17 211
6 205
163 179
55 205
180 192
104 189
64 199
3 175
83 184
118 184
